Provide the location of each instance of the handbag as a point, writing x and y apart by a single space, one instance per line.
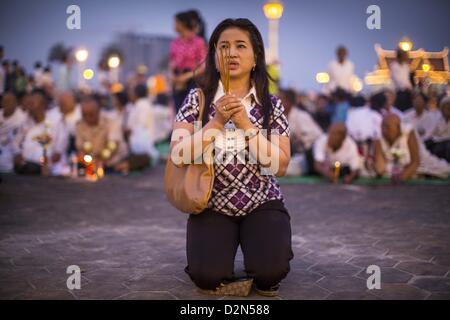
188 187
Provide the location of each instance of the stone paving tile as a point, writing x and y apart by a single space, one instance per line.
365 261
343 284
399 292
390 275
335 269
423 268
352 295
132 245
432 284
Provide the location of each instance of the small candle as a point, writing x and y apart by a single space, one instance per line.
337 170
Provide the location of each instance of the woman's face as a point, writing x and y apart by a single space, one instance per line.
242 56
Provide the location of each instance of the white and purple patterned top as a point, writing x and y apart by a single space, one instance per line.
240 187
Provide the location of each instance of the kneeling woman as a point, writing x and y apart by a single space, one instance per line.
246 207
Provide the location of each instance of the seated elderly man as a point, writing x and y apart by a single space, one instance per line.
11 119
304 131
34 136
336 154
402 156
99 136
439 142
68 113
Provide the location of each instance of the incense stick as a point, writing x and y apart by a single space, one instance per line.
224 68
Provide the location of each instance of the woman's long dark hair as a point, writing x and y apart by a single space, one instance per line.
210 79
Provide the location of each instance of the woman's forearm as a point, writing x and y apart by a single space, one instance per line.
191 147
268 154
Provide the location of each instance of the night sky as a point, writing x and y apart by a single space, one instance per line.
310 30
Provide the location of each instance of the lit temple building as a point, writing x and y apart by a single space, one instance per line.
429 67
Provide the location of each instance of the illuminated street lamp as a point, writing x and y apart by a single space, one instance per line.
273 10
322 77
81 56
405 44
113 64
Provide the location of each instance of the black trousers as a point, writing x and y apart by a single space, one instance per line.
265 239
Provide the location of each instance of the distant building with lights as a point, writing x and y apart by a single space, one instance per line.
151 51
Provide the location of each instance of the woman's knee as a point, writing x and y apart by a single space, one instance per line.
266 277
206 280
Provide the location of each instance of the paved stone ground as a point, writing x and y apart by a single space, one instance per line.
130 244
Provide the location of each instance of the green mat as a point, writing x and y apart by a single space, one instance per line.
361 181
163 149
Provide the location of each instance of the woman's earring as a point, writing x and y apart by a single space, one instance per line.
254 66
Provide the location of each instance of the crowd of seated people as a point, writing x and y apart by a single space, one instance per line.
368 136
119 129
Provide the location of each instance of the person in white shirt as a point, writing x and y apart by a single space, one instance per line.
29 152
11 119
439 143
402 156
337 149
420 118
363 123
140 126
304 132
400 76
341 71
67 113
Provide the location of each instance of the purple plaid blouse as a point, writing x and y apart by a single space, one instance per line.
240 187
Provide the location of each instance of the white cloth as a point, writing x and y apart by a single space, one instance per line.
141 123
363 123
341 75
347 155
400 75
303 127
9 127
423 124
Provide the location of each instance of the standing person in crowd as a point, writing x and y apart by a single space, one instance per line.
27 147
12 118
246 205
400 76
337 149
8 76
199 24
186 57
304 130
341 71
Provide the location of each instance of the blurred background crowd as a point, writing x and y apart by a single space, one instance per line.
400 129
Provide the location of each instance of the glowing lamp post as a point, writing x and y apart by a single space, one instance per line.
405 44
273 10
81 56
113 64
